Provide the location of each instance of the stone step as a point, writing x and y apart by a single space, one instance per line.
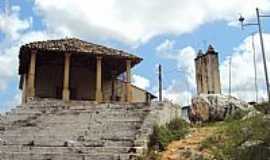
102 115
65 150
73 111
71 120
59 156
60 128
78 106
81 108
87 144
62 125
14 117
39 139
84 131
97 113
79 120
109 140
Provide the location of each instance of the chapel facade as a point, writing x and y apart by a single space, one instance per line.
75 70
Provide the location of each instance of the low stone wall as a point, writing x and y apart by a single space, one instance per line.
160 114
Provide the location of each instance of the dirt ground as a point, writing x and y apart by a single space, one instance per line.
189 148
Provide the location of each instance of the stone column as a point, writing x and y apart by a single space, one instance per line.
31 75
66 91
128 81
113 96
24 89
99 97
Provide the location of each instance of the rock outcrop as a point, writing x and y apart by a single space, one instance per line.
52 130
215 107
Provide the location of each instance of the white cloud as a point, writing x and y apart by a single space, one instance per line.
12 26
8 63
9 57
166 47
16 33
140 81
179 91
184 58
243 77
140 20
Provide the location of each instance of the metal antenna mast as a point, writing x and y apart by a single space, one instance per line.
258 23
255 68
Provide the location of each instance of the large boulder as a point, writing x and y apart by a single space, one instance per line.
215 107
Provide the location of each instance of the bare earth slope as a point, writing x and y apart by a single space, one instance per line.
189 148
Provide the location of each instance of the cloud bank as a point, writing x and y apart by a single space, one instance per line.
139 21
129 22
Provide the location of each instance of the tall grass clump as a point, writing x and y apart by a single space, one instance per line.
163 135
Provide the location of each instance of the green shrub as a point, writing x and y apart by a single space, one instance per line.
263 107
163 135
151 155
160 138
237 115
178 128
208 142
242 139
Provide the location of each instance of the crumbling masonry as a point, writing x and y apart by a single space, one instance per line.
207 72
53 130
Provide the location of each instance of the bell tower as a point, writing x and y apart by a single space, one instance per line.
207 72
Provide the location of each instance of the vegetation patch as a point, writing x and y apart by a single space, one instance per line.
241 139
151 155
237 115
263 107
163 135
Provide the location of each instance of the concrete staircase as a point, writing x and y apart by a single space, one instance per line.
52 130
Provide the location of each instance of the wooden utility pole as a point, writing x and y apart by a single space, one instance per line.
160 82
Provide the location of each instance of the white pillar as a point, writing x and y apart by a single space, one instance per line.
31 75
66 91
128 82
99 97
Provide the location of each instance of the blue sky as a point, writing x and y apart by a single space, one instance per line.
168 33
